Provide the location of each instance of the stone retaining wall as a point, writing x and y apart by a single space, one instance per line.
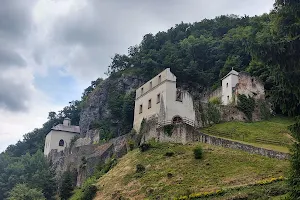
201 137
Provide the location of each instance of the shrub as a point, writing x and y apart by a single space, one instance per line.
140 168
198 152
215 100
213 114
168 129
73 140
246 105
89 192
145 147
264 110
169 154
169 175
131 144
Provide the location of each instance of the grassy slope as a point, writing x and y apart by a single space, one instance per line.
219 168
274 129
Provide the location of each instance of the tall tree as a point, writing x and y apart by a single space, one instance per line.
23 192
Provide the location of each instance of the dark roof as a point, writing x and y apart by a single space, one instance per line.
71 129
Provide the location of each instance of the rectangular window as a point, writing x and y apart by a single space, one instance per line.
228 98
178 95
141 108
159 79
150 85
226 84
149 104
142 91
158 98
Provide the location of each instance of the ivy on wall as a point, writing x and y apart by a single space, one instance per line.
246 104
168 129
210 114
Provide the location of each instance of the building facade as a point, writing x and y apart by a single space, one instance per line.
60 136
228 83
159 98
235 83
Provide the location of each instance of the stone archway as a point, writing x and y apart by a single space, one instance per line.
177 120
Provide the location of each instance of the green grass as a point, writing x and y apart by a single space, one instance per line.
275 191
275 129
219 168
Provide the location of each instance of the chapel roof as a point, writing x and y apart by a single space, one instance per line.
71 129
232 72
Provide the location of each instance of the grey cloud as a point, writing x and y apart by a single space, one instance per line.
10 58
102 28
14 96
15 26
15 18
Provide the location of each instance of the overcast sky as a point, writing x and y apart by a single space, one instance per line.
50 50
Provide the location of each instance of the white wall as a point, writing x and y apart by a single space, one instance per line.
53 138
231 80
165 75
184 109
167 90
155 107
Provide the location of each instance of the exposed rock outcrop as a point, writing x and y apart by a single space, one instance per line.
97 108
84 159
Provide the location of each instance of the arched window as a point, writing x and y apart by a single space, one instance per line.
177 120
61 143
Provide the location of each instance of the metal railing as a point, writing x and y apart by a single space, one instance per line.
185 120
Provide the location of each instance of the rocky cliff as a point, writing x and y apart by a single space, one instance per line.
108 105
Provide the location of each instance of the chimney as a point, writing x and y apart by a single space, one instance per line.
67 122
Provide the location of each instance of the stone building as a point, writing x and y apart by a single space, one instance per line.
235 83
160 98
60 136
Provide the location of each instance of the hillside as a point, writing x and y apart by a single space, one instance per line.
169 177
271 134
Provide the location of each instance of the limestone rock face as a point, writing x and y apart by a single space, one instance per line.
96 107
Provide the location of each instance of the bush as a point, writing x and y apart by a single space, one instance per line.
215 100
131 144
140 168
198 152
168 129
246 105
89 192
145 147
169 154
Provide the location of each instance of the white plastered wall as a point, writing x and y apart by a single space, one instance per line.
184 108
167 90
53 138
231 80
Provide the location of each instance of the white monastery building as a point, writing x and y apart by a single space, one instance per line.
235 83
160 98
60 136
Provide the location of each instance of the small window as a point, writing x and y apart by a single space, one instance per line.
61 143
150 85
141 108
228 98
142 91
226 84
159 79
158 98
179 95
149 104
